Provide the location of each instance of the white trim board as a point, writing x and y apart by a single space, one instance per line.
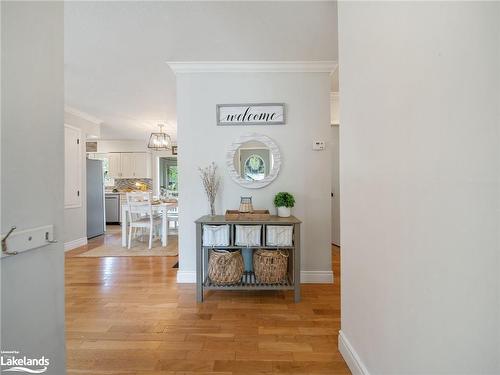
306 277
79 167
352 359
70 245
316 277
186 277
333 95
83 115
253 66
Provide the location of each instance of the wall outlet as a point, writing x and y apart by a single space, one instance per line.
318 145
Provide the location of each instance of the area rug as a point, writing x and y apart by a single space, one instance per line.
139 249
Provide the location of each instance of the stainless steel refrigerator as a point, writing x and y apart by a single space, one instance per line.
95 198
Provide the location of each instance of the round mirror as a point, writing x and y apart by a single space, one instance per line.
254 161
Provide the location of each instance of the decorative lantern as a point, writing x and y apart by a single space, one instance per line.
160 141
246 204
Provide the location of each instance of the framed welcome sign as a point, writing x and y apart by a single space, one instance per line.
251 114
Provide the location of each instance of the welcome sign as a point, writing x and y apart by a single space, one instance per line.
251 114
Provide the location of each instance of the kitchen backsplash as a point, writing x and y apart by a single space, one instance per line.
130 183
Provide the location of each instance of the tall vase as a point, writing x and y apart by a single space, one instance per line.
212 208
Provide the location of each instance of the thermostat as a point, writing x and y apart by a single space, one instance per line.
318 145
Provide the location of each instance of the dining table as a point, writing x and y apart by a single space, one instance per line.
161 208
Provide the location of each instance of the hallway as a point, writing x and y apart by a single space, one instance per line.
128 316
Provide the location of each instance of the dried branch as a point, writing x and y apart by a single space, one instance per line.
211 183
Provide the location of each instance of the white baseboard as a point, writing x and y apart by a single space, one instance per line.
351 357
316 277
75 243
306 277
186 277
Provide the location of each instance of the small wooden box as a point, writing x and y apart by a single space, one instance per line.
255 215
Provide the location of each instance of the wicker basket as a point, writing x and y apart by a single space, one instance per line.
270 266
225 267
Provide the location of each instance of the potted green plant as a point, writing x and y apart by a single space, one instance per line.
284 202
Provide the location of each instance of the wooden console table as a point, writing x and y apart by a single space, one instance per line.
248 281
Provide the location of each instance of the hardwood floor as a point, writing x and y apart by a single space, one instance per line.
128 316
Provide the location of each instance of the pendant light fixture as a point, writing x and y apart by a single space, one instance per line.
160 141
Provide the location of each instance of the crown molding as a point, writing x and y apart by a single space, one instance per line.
83 115
180 67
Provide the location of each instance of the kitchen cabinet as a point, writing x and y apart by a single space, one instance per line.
115 165
142 165
129 165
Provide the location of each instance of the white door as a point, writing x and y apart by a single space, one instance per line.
115 165
128 165
32 183
72 167
335 186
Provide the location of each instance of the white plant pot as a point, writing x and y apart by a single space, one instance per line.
284 211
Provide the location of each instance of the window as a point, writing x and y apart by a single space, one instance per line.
169 175
108 181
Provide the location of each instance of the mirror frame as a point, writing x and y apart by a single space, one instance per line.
274 150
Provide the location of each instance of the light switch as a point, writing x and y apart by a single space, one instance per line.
318 145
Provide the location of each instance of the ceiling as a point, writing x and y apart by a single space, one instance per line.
116 52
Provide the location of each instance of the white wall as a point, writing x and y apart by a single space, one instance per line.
104 146
420 185
32 177
303 171
75 218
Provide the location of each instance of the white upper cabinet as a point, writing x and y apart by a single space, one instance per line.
72 167
129 165
115 165
142 165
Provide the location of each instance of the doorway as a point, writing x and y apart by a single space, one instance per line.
169 176
335 200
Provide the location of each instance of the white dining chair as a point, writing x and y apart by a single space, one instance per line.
172 193
173 216
139 196
140 215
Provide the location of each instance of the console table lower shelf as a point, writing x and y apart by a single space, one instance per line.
248 281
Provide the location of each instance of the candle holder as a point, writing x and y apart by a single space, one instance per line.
246 204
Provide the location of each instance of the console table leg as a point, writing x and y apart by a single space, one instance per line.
296 262
199 265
